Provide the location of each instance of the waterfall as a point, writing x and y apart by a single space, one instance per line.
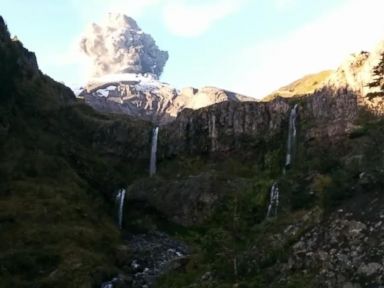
274 201
213 132
291 135
275 193
120 203
152 164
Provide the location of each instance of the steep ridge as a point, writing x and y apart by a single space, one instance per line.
145 97
60 163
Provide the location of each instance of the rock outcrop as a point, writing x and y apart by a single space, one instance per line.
356 74
348 247
225 126
327 115
185 201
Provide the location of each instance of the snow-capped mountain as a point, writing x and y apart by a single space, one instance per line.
145 97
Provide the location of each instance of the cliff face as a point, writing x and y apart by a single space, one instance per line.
223 127
356 73
327 115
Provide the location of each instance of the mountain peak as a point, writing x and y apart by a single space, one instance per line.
3 29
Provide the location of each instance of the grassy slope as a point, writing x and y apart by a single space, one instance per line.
306 85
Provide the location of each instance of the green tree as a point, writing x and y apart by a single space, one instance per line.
378 80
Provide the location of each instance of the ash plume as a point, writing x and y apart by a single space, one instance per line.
120 46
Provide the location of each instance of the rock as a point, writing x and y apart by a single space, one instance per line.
187 201
370 269
225 126
351 285
356 73
153 255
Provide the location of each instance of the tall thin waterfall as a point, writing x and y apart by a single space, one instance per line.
120 203
152 164
274 201
292 131
291 135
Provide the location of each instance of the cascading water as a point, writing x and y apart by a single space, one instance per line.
291 135
274 201
120 203
152 164
275 194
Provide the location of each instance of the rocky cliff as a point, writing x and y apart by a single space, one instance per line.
357 73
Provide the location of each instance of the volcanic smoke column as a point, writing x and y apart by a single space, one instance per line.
120 46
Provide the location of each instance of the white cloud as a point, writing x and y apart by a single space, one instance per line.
323 44
183 18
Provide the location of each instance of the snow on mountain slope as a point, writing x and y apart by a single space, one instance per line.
145 97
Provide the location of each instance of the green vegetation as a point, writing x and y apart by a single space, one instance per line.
60 163
238 246
378 81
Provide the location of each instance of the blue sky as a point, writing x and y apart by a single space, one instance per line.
247 46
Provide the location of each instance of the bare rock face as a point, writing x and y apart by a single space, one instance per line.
327 116
185 201
348 247
356 74
225 126
141 96
144 97
328 113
